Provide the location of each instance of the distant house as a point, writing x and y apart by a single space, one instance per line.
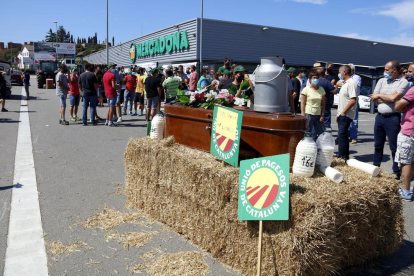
26 58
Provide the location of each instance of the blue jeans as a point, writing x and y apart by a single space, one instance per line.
129 96
353 128
386 127
89 101
343 141
314 125
327 115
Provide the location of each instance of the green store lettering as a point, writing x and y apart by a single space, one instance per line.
172 42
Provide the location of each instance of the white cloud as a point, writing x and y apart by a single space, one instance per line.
403 12
402 39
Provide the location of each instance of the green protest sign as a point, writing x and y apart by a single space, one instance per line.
225 134
264 188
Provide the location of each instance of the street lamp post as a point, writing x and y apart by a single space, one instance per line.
107 50
56 40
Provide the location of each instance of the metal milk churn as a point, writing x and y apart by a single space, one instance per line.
271 93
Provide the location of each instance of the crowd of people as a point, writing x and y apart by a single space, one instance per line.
394 121
309 95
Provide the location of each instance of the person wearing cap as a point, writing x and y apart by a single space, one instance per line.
139 92
184 77
238 74
129 94
203 82
226 81
110 86
153 89
74 95
161 78
171 84
295 88
329 91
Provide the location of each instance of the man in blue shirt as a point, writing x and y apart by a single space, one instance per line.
26 82
329 91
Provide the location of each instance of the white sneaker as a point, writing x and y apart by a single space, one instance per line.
106 123
119 120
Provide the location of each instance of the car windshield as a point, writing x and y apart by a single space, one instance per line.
48 66
16 73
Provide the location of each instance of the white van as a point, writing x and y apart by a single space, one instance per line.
6 67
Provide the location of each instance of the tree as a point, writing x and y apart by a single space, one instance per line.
113 41
71 39
50 36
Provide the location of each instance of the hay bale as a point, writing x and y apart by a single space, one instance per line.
331 226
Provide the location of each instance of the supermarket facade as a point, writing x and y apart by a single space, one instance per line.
245 43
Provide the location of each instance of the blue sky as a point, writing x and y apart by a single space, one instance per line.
377 20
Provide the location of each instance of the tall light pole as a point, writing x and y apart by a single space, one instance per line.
56 40
107 50
201 38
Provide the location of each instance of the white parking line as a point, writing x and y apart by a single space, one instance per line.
25 253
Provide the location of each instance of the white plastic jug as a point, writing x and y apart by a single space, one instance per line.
326 146
157 126
305 157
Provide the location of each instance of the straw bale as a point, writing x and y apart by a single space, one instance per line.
182 263
331 226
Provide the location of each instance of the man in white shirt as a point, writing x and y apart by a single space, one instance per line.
346 109
388 90
353 128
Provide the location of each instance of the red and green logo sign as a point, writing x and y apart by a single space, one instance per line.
264 188
225 134
78 60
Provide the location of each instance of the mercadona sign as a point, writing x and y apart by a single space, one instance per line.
172 42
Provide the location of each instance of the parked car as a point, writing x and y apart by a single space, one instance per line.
16 77
6 67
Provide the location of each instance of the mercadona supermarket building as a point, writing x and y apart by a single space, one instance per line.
245 44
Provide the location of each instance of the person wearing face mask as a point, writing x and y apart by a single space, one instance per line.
216 81
296 88
226 66
62 89
239 78
313 105
346 109
388 90
405 142
226 81
409 75
110 87
74 95
329 75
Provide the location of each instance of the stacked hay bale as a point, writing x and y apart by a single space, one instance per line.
331 225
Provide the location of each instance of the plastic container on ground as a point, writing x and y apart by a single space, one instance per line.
362 166
158 126
305 157
331 173
326 146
